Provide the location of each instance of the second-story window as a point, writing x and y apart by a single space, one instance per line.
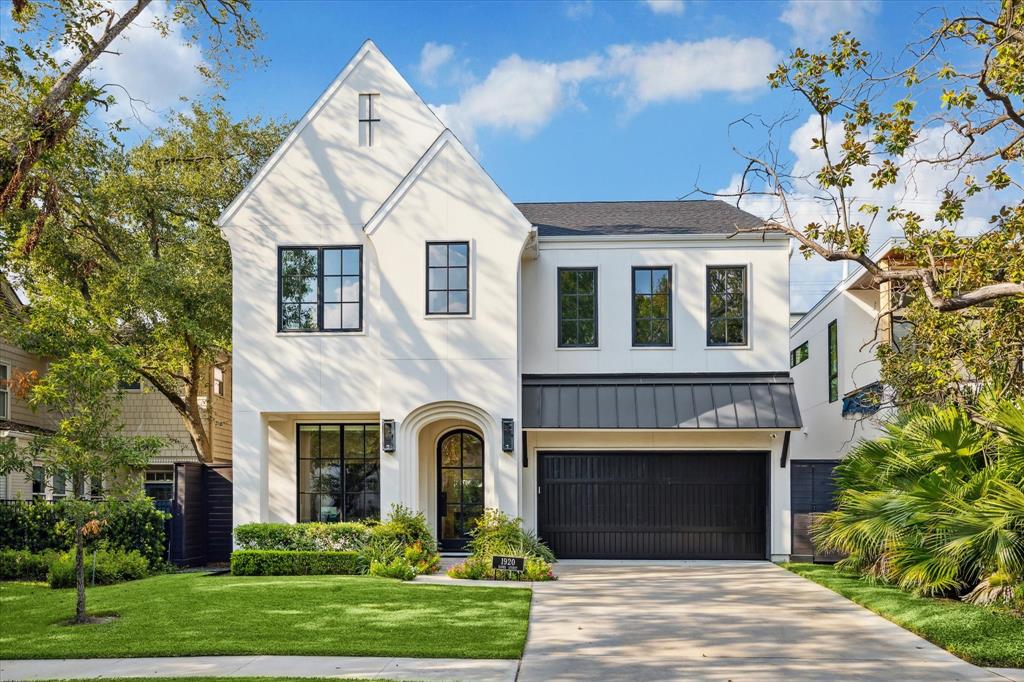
727 305
448 278
218 381
652 306
798 354
5 392
833 361
320 289
369 119
577 307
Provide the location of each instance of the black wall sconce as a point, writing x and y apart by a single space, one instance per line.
508 441
387 434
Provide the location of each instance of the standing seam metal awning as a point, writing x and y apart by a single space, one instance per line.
660 401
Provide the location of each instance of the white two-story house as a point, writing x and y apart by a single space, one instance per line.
615 373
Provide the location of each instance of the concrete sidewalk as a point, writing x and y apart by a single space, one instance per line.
485 670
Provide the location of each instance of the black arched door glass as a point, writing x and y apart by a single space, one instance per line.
460 499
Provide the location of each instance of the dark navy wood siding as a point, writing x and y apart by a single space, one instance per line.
812 491
646 505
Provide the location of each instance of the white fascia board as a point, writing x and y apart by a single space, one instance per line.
597 241
842 286
445 139
310 114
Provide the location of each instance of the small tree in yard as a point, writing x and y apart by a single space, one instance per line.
81 392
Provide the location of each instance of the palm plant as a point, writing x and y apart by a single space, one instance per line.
936 505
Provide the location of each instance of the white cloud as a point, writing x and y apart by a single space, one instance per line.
815 21
432 58
518 95
668 70
147 72
579 10
665 6
921 192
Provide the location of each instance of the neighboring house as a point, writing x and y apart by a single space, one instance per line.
833 363
615 373
197 493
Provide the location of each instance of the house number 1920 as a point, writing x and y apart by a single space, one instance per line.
517 564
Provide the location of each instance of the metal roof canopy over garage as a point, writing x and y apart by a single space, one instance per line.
660 401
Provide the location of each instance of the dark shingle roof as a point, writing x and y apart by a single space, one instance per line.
636 217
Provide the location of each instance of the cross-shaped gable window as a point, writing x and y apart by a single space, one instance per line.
369 119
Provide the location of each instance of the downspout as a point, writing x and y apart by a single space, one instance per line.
785 449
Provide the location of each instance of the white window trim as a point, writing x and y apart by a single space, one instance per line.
6 388
749 345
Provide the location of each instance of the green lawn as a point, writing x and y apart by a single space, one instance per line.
233 679
983 636
193 614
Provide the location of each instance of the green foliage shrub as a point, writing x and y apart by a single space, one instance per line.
306 537
294 562
495 533
127 525
400 569
21 564
406 528
423 560
102 567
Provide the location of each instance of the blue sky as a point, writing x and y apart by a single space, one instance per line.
570 100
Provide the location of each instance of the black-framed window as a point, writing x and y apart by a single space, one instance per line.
447 278
577 307
833 361
38 483
338 472
799 354
652 306
369 118
727 305
320 288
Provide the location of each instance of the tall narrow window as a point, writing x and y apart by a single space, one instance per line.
448 278
218 381
369 119
38 483
577 307
652 306
320 289
833 361
5 392
339 472
59 486
727 305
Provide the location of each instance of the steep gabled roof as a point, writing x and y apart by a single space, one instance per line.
586 218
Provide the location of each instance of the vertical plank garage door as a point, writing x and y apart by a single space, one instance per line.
811 492
653 505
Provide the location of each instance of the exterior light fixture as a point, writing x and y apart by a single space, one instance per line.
508 443
387 434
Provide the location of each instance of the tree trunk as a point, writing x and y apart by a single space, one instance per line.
80 616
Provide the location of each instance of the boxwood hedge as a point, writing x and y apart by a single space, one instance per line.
294 562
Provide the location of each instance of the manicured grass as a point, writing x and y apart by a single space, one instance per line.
980 635
233 679
193 614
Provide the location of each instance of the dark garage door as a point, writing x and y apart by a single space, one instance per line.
644 505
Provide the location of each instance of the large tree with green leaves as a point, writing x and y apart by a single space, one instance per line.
80 391
129 261
45 98
876 118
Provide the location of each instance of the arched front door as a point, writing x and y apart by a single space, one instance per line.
460 489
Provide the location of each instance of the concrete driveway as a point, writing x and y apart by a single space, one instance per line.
716 621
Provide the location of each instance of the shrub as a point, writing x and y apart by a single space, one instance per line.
21 564
479 568
294 562
400 569
406 528
302 536
424 561
102 567
473 568
129 525
496 533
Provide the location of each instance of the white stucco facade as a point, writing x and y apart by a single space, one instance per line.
438 374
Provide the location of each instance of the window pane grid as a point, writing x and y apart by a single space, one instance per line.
338 472
448 278
652 306
727 306
321 289
577 307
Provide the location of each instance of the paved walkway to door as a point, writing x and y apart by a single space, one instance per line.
716 621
